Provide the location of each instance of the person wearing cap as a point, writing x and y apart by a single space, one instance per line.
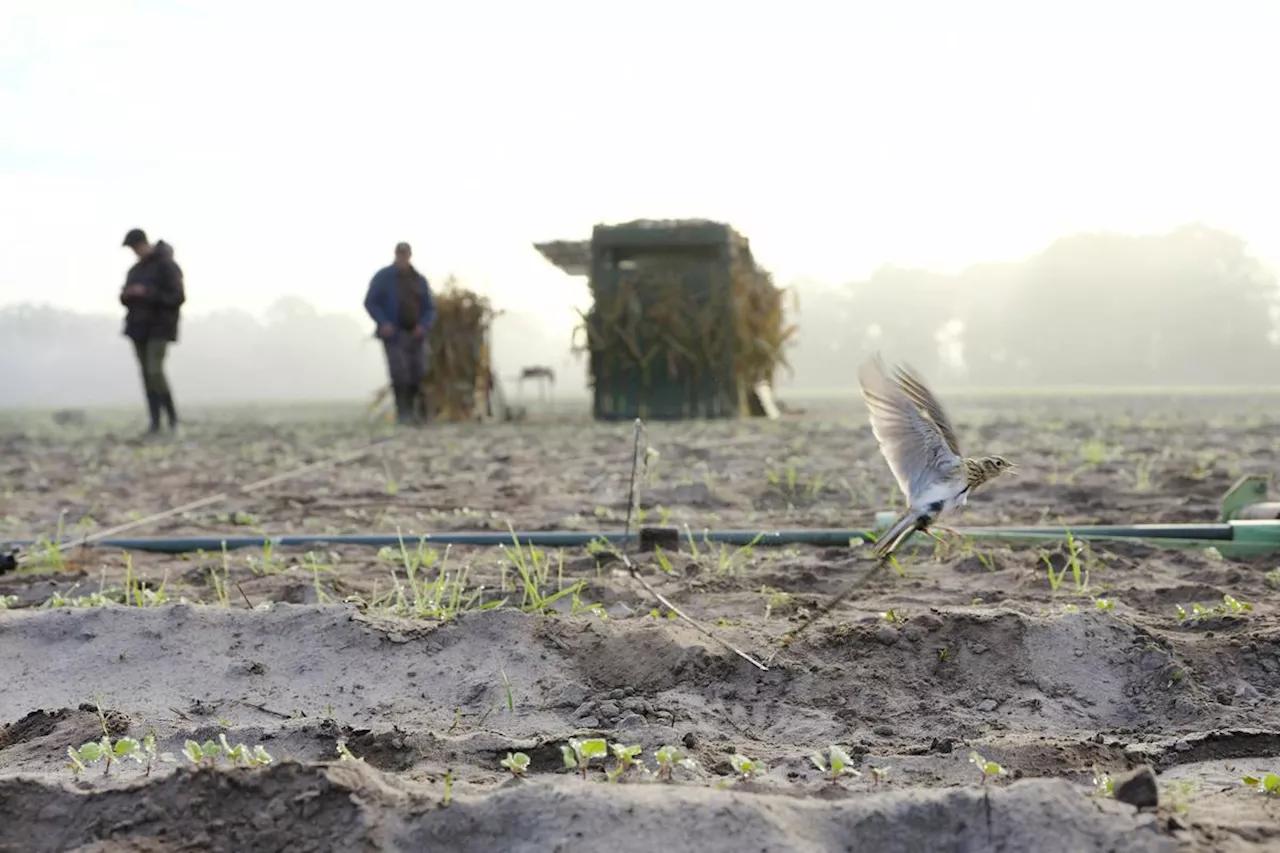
153 295
399 301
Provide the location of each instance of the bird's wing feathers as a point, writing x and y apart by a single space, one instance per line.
915 389
914 446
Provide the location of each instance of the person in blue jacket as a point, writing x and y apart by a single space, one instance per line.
400 302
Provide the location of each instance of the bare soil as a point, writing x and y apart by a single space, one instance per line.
969 649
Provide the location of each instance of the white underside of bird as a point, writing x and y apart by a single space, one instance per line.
940 498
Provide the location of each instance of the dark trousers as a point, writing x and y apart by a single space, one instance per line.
407 365
150 353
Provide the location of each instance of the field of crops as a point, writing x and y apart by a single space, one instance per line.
423 696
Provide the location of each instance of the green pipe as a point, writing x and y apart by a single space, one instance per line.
1231 538
541 539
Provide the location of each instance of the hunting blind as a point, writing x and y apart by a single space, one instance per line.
684 323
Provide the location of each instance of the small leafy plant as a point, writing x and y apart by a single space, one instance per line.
578 753
668 759
1103 784
109 752
626 757
209 752
988 768
839 764
743 766
1229 607
517 763
877 775
1269 784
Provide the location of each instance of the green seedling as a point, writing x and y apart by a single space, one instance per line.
877 775
626 756
517 763
1229 607
1076 557
1269 784
208 753
1104 604
664 562
506 683
91 753
775 599
893 617
1178 794
7 601
534 572
988 768
345 754
578 753
839 764
1095 451
745 767
105 750
668 759
1103 784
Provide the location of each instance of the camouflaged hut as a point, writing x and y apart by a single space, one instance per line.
684 323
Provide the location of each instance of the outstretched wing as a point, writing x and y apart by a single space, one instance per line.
917 453
913 386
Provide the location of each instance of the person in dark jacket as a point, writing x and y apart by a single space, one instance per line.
153 295
399 301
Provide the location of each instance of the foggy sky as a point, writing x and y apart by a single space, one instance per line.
284 148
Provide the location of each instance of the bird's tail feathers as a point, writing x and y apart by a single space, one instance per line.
906 524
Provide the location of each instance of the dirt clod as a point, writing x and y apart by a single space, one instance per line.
1138 788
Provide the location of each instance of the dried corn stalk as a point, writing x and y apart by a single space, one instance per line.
685 328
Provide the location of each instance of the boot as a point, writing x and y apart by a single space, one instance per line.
166 404
153 409
402 405
413 403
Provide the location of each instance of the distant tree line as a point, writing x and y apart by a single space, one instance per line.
1191 307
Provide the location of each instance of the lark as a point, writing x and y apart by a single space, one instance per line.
917 440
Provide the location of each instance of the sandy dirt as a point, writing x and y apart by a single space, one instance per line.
430 679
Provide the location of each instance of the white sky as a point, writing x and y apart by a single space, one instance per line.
284 147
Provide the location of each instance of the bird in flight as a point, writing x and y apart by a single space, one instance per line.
919 443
